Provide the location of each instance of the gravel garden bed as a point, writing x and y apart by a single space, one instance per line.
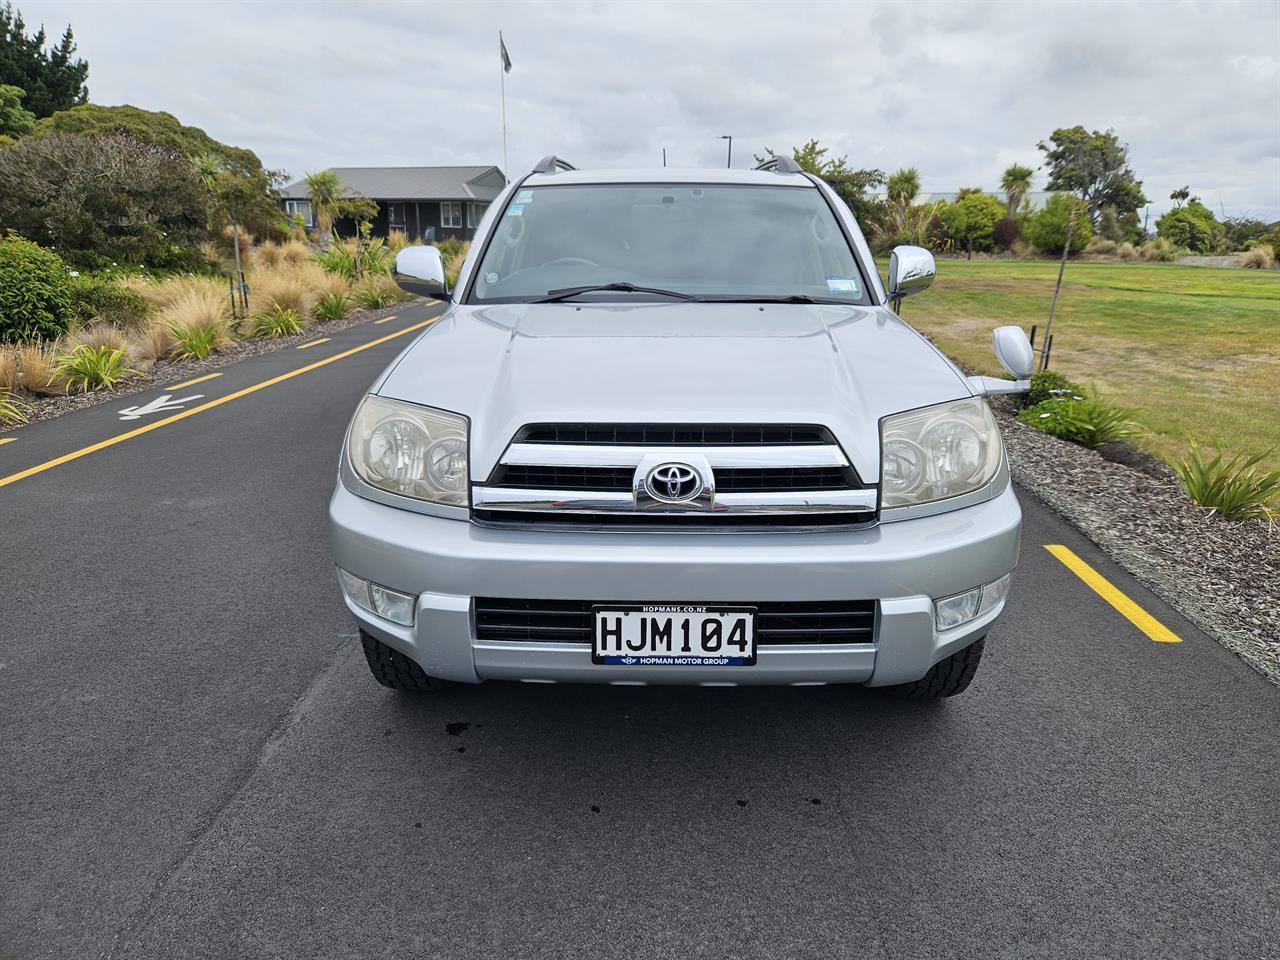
167 371
1223 575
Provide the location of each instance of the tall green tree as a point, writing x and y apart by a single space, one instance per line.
15 120
1095 167
1016 184
970 221
53 79
903 186
854 187
324 190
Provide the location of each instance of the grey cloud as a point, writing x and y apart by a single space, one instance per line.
958 90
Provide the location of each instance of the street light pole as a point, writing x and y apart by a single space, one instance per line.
729 161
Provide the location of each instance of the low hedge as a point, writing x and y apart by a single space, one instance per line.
36 295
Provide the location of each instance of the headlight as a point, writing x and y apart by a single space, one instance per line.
938 452
414 451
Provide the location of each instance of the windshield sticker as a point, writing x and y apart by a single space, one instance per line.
525 196
490 277
842 285
515 210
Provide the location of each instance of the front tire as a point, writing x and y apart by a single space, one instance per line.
393 669
946 678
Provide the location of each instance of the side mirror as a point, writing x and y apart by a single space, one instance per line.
420 271
1013 350
911 271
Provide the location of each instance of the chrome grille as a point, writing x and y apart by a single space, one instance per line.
745 475
778 623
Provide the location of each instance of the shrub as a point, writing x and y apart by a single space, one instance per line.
1191 226
105 198
194 342
332 306
1159 250
1006 232
9 373
266 256
1259 257
397 240
1101 246
339 258
375 293
155 342
1126 251
103 335
1047 384
196 306
35 291
280 322
94 368
295 252
281 290
1021 249
1047 227
1236 488
330 283
40 371
96 298
971 220
12 410
1089 421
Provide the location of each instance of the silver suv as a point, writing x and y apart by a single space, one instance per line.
670 429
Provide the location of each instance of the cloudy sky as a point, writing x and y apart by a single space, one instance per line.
958 90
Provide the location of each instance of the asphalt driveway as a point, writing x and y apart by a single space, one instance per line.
195 762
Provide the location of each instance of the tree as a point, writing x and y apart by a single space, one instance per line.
1095 167
102 200
14 119
1016 184
324 190
903 186
52 79
970 221
1192 225
1181 196
1046 228
852 186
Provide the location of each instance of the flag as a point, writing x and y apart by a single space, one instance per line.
506 57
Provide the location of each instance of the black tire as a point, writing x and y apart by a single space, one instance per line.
393 669
946 678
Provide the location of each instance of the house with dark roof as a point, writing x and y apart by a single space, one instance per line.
427 203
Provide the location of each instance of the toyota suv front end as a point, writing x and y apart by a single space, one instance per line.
670 430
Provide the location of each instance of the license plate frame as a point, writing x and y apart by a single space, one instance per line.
676 614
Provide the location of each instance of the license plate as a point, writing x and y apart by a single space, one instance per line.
678 634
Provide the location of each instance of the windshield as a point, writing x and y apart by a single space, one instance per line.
711 242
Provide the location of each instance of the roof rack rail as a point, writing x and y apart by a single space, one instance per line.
552 164
780 164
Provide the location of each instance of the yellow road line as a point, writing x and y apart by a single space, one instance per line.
385 319
4 440
303 346
192 382
139 431
1104 588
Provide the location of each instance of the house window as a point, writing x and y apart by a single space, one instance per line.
451 215
299 207
475 211
395 216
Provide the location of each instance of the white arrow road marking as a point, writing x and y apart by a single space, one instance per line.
163 402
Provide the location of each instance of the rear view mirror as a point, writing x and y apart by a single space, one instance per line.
1013 350
911 271
420 271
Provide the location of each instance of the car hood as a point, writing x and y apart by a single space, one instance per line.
508 365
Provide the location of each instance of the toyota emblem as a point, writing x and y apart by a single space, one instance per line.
673 482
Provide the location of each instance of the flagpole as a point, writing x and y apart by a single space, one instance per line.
502 70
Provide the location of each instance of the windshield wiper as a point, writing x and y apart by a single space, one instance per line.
765 298
621 287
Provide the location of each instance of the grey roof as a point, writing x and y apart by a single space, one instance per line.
412 183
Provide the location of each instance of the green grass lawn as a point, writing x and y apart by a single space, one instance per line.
1192 351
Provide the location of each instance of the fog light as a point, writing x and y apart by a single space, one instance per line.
378 600
960 609
952 611
396 607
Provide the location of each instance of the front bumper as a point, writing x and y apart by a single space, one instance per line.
902 565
